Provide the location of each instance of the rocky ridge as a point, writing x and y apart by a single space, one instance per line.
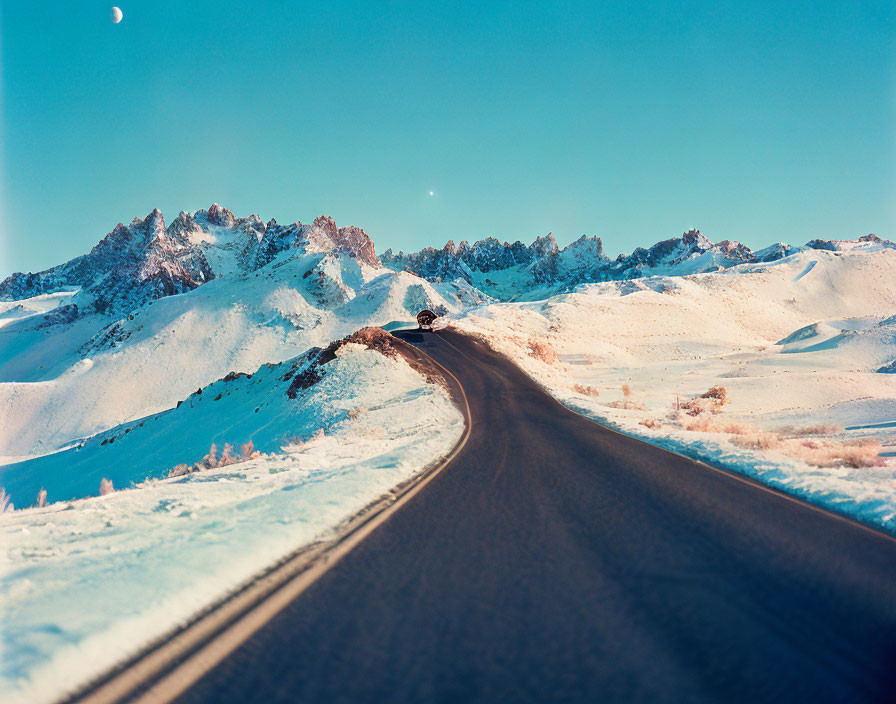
514 270
146 260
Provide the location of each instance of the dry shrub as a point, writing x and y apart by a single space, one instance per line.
542 350
6 506
356 412
651 423
718 393
807 430
212 461
711 424
710 401
626 390
180 470
702 424
854 454
42 498
248 450
627 404
585 390
692 407
818 451
758 441
106 487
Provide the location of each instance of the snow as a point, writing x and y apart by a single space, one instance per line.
159 354
11 311
85 583
796 343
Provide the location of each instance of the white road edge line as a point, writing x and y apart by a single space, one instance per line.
273 592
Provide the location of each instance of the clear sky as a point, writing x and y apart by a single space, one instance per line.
759 121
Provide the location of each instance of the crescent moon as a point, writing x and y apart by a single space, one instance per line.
116 15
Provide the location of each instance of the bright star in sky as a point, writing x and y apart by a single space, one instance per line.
432 193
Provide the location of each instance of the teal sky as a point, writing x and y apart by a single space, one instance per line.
758 121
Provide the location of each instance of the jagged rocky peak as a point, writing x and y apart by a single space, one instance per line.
155 220
695 238
183 220
222 217
184 228
128 241
734 249
545 246
349 240
870 242
585 243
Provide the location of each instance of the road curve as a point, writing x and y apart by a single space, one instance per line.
556 560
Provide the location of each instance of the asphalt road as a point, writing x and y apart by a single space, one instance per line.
555 560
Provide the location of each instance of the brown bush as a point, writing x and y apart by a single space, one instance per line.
627 404
542 350
854 454
180 470
818 451
710 401
212 461
719 393
800 432
757 441
585 390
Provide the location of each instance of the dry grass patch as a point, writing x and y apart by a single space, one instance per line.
540 349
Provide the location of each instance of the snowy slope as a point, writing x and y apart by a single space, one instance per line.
85 583
797 344
262 408
64 381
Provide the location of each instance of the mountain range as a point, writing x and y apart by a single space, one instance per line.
518 272
148 260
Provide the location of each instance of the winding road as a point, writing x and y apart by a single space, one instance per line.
556 560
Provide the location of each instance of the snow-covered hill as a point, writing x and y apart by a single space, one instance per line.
86 583
70 368
801 346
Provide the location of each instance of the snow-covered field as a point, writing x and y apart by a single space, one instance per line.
86 582
796 345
